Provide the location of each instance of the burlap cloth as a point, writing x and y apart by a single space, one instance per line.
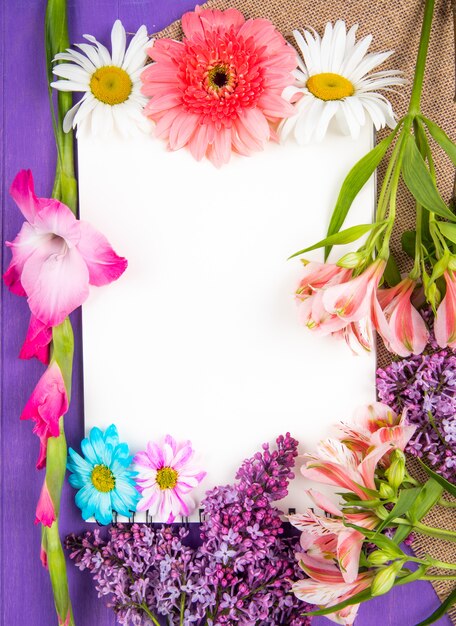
395 25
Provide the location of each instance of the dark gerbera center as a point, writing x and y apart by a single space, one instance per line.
220 76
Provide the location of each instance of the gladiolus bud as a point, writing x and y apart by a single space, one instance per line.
385 578
386 492
378 558
396 471
351 260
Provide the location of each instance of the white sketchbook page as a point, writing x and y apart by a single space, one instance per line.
200 337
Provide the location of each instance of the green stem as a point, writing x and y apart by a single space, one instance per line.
146 610
447 504
439 533
434 578
441 564
182 609
415 100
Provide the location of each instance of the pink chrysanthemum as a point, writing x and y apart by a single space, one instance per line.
166 476
219 89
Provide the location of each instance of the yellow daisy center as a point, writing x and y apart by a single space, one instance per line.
111 84
220 76
167 478
103 479
328 86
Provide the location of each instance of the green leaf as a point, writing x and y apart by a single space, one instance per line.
441 138
391 273
356 178
440 612
430 493
419 181
406 498
408 239
448 230
345 236
402 532
449 487
381 541
62 351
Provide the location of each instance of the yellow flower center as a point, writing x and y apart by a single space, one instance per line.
220 76
102 478
167 478
111 84
328 86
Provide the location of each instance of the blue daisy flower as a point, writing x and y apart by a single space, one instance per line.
103 476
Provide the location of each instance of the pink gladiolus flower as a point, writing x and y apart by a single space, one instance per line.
346 542
166 476
406 330
445 319
45 513
48 402
220 88
37 341
56 256
375 425
326 587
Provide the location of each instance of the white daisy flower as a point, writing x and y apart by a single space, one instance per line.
111 83
333 81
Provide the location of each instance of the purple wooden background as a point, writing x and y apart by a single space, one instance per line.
26 136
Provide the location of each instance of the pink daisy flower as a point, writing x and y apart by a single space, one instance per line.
219 89
166 476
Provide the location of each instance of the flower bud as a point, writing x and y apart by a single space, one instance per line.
396 471
378 558
386 492
351 260
385 578
452 263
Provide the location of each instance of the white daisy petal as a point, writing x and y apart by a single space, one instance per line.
78 58
71 72
69 85
355 56
91 52
69 117
135 55
329 111
118 42
102 50
368 63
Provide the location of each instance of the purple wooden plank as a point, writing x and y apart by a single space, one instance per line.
26 137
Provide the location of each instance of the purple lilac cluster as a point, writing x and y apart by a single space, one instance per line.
425 385
238 575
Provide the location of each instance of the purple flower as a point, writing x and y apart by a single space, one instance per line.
426 386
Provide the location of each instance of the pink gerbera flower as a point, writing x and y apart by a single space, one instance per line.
166 476
221 87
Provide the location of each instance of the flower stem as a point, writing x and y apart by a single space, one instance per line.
414 106
146 610
439 533
434 578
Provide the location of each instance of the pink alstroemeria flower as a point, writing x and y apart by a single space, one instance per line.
48 402
407 332
45 512
56 256
347 541
326 587
445 319
37 341
336 464
354 299
375 425
309 296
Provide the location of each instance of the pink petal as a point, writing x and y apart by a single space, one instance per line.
103 263
48 402
23 246
23 193
348 551
45 513
37 341
56 280
323 502
55 218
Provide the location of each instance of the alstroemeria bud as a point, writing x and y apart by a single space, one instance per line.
396 471
386 492
351 260
452 263
378 558
385 578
